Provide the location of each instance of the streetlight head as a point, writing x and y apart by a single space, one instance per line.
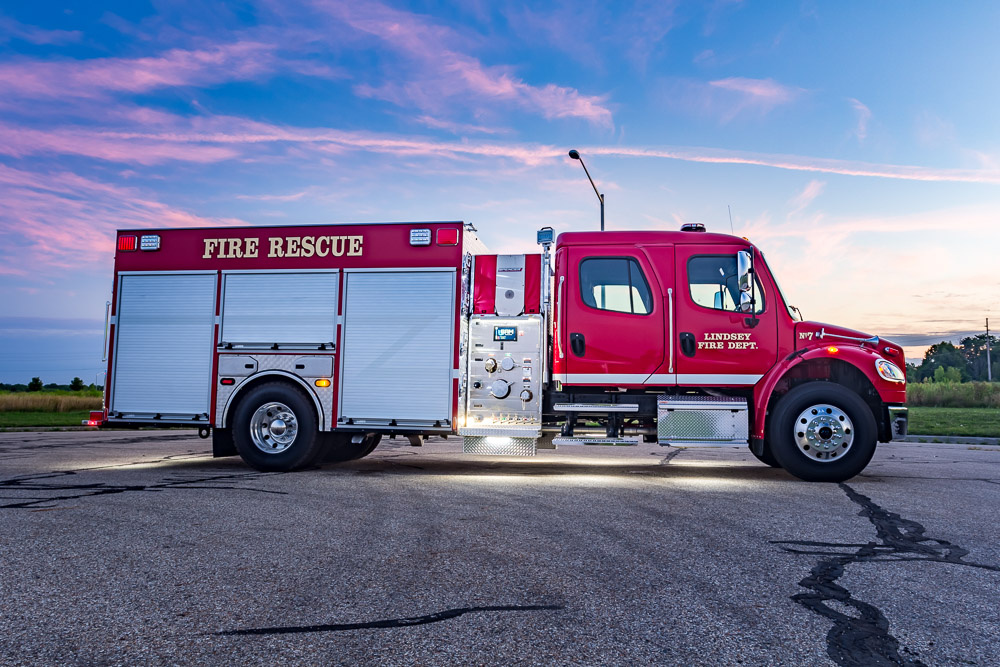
574 154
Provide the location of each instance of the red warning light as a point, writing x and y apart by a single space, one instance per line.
126 243
448 236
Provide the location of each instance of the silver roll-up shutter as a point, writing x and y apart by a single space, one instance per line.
279 308
399 347
165 337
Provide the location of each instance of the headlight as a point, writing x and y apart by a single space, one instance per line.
889 371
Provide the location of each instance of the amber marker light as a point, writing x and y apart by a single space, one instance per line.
322 383
833 350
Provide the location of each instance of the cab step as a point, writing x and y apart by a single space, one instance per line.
702 421
595 407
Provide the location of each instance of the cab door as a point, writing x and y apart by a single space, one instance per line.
716 344
612 333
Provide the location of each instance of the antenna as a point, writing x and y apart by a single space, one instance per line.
730 209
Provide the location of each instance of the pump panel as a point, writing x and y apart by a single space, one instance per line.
505 375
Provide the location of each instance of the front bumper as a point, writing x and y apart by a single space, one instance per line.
898 421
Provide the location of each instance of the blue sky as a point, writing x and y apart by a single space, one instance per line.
856 144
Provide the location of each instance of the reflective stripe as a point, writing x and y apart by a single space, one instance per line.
657 378
717 378
601 378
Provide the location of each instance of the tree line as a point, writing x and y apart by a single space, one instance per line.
37 385
966 362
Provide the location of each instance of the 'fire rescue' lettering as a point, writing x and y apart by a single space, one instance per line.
727 341
285 246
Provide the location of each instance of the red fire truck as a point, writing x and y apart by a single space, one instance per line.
297 345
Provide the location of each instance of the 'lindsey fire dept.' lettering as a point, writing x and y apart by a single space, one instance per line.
727 341
285 246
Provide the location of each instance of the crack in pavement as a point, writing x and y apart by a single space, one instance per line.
864 639
436 617
39 483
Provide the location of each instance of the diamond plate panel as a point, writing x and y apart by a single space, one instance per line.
705 419
499 446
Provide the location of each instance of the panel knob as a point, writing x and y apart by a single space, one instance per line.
507 364
491 365
526 395
500 389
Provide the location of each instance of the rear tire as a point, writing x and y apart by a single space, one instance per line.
275 429
340 449
822 432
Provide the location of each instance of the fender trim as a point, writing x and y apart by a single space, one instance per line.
274 373
861 358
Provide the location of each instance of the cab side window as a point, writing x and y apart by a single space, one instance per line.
712 281
616 284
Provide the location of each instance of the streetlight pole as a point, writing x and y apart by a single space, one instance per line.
989 365
576 156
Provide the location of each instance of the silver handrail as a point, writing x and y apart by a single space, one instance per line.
670 324
559 300
107 319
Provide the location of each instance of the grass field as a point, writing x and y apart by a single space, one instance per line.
49 401
18 419
980 422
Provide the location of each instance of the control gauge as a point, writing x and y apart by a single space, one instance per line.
491 365
500 389
507 364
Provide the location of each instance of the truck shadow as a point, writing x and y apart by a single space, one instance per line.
579 468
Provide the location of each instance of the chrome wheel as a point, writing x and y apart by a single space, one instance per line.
273 428
823 432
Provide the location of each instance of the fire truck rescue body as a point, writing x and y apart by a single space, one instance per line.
295 345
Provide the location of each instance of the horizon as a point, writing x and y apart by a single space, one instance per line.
859 161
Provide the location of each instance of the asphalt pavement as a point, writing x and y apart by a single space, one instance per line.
139 548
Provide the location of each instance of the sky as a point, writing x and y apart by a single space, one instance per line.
857 144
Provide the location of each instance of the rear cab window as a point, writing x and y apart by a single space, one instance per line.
615 284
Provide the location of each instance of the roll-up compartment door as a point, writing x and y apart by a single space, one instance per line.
264 309
165 338
398 348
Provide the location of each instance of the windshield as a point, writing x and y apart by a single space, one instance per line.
793 312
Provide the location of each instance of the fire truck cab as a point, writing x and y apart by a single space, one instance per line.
297 345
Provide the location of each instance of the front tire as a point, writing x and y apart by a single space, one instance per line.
767 458
275 429
822 432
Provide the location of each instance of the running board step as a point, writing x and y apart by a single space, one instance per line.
596 407
616 442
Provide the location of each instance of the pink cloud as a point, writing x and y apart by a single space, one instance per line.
864 115
812 190
438 77
763 94
94 78
64 221
158 137
11 29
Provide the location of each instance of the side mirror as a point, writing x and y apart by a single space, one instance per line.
746 303
744 268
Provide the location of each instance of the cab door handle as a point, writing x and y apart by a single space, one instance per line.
687 344
577 344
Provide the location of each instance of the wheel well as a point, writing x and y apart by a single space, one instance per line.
838 372
276 377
